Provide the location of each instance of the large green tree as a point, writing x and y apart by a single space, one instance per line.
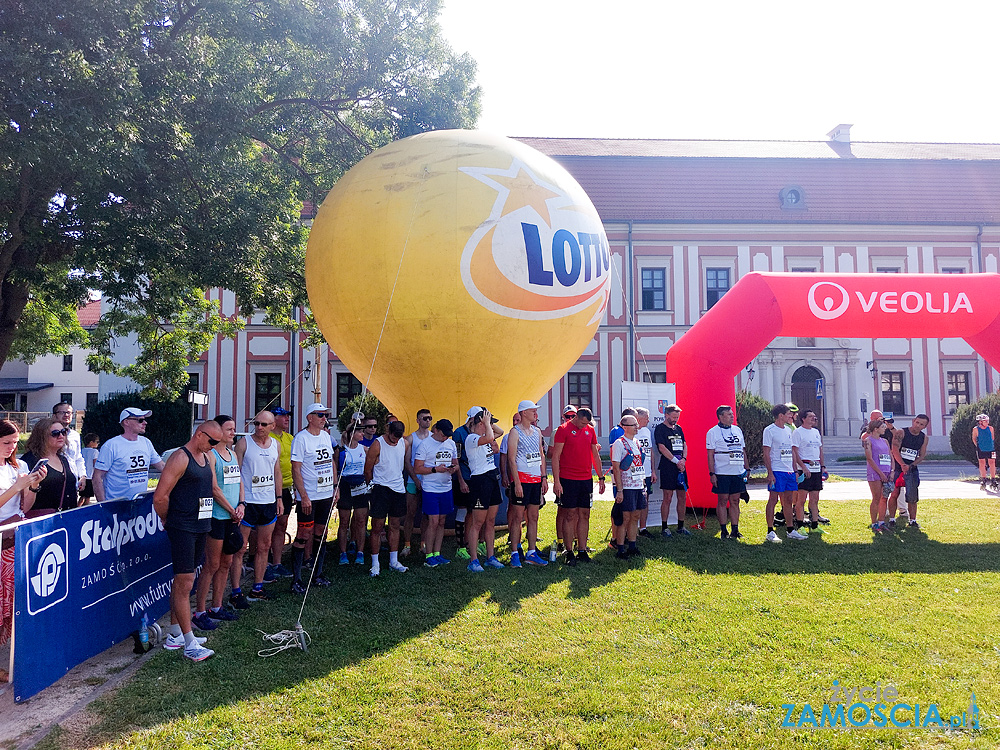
152 149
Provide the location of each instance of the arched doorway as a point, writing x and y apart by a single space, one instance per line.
804 393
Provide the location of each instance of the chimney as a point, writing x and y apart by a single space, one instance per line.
840 134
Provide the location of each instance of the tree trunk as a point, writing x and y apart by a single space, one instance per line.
13 298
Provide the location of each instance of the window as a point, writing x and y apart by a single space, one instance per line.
67 363
66 398
348 387
958 390
654 377
952 270
805 341
580 387
91 400
716 284
267 390
894 269
654 295
194 380
893 394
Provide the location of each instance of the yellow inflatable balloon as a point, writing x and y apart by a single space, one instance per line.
459 269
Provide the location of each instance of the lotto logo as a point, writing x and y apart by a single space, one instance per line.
48 571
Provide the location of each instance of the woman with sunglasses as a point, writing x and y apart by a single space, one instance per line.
58 490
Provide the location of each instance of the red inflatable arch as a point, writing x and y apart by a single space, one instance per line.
705 361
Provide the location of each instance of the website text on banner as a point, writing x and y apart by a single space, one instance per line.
705 360
105 565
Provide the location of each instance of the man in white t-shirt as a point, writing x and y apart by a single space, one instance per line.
781 479
63 411
644 437
314 474
630 480
123 463
727 468
436 461
807 450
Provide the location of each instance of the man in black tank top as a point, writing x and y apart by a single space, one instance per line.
183 501
909 447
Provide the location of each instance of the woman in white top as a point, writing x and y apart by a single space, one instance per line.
352 505
17 495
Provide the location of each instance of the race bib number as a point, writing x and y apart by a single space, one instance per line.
884 459
137 473
638 473
231 474
263 482
908 454
677 446
534 461
324 472
786 453
736 457
205 508
810 463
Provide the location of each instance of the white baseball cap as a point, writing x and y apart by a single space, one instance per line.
527 404
134 412
313 408
473 411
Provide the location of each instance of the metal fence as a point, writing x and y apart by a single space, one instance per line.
25 420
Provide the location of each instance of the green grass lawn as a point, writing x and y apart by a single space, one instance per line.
696 645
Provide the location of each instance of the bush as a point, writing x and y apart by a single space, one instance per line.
965 419
169 427
753 414
367 405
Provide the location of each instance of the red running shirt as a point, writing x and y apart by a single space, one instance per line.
577 459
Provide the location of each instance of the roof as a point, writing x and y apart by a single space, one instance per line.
740 181
8 385
702 149
89 314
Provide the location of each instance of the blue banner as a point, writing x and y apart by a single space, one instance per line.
83 581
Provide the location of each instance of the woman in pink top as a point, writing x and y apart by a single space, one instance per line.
879 459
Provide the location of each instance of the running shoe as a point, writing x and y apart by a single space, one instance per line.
515 560
360 559
475 567
223 615
735 535
344 559
443 560
621 555
684 531
239 601
913 524
724 534
398 567
582 556
982 485
824 521
198 653
270 575
779 516
612 545
258 595
560 547
462 554
176 642
431 562
494 563
797 535
633 552
996 485
645 533
665 532
533 558
405 552
569 560
322 581
204 622
298 588
281 571
773 537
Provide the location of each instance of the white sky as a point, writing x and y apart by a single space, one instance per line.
899 71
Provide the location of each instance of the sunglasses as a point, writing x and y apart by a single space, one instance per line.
142 420
321 414
369 427
211 440
56 433
428 418
630 424
262 424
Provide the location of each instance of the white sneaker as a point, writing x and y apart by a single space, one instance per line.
398 566
198 653
376 569
796 534
176 642
772 537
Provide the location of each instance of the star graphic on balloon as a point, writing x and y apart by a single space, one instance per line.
517 188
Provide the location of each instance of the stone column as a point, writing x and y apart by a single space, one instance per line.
764 373
855 421
777 389
841 415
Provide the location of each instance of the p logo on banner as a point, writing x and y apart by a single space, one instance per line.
47 570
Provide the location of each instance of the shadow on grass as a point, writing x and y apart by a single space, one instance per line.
357 618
